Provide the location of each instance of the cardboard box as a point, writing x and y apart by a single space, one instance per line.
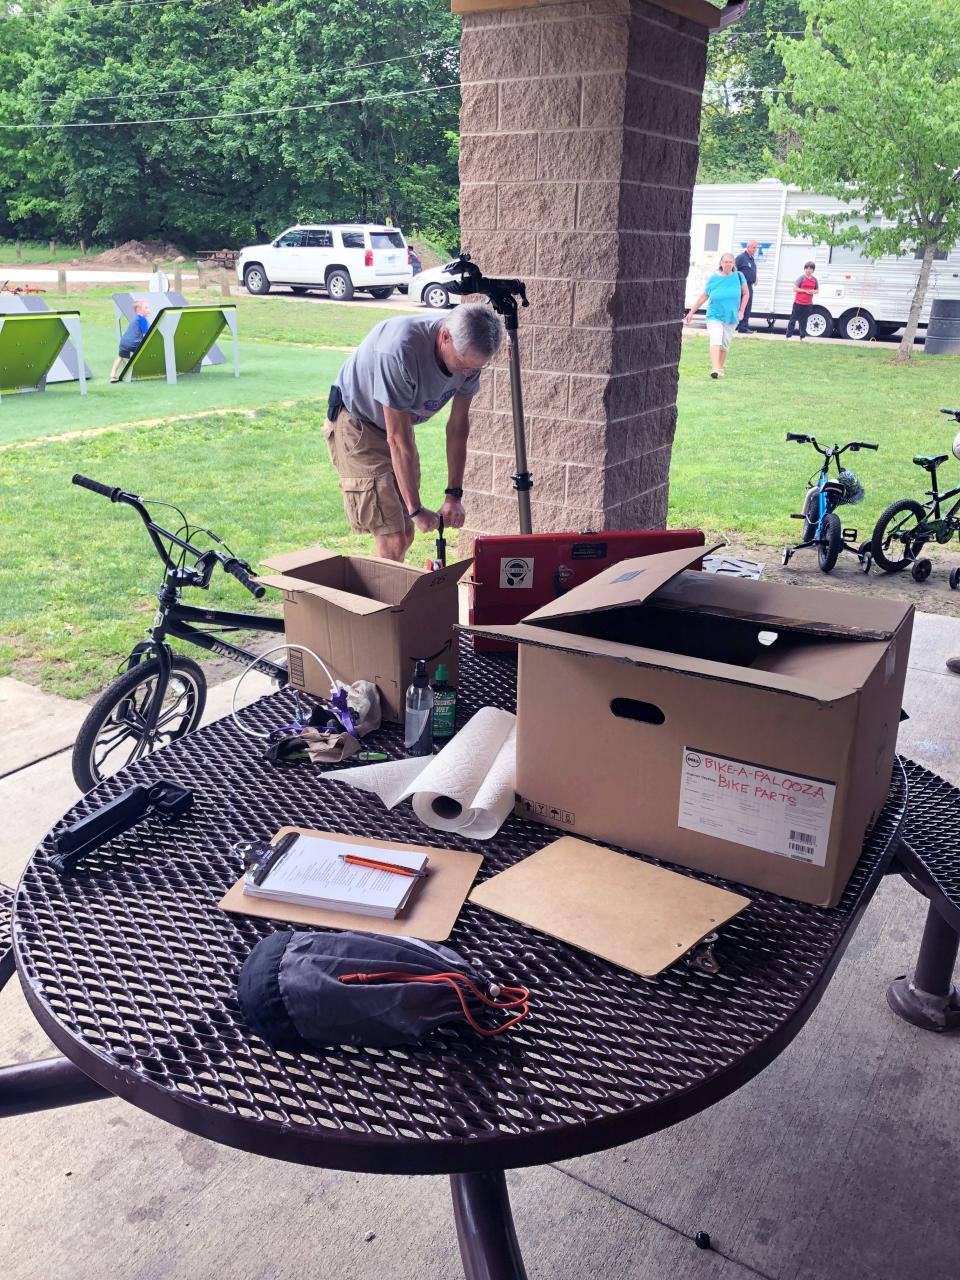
368 619
742 728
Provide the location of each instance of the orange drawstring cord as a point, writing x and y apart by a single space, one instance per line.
520 996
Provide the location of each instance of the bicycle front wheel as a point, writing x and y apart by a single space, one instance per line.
114 734
894 543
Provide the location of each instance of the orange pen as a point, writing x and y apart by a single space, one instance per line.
374 865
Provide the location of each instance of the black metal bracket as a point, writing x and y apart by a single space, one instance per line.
165 800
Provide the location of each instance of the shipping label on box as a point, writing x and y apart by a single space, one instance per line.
753 805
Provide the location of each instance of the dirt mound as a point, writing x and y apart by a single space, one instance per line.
134 253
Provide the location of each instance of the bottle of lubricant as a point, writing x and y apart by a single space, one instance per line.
418 718
444 705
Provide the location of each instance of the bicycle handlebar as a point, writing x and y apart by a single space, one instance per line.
96 487
952 413
231 564
237 569
836 450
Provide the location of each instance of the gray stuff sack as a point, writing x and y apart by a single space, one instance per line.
299 990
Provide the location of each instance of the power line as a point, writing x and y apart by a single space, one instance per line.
228 84
108 4
235 115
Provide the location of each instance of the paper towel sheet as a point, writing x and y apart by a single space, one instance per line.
467 788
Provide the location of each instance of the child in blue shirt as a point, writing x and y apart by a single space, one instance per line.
132 337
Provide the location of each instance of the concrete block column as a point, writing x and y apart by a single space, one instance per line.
578 153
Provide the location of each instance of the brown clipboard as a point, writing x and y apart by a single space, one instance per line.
431 914
619 908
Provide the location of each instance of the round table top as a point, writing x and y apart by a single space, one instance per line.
131 968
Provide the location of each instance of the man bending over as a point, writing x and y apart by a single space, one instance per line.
400 375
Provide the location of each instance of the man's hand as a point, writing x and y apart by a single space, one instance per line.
426 521
453 513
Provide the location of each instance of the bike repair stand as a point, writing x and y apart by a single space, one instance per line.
503 295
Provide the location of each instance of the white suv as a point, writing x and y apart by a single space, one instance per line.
339 259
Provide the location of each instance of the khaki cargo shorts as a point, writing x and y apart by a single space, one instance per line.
361 455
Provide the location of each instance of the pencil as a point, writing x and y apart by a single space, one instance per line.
375 865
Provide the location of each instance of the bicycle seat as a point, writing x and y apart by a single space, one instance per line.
928 463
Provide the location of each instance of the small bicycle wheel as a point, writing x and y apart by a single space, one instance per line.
954 579
114 734
920 570
830 542
894 543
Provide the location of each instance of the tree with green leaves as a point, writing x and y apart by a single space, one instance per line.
28 203
222 123
874 107
744 72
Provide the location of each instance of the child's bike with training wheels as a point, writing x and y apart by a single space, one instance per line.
821 525
906 526
160 695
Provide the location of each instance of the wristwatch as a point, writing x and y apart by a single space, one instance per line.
412 515
454 493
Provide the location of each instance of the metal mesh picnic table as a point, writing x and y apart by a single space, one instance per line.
131 968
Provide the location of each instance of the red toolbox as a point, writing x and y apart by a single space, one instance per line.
515 573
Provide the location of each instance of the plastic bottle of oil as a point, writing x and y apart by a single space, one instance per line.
444 705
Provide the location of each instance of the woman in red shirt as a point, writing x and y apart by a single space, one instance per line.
806 286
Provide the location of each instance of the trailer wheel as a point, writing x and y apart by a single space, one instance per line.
819 323
858 326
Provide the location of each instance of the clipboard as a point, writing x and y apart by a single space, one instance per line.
430 916
619 908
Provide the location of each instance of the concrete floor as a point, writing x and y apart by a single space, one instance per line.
837 1163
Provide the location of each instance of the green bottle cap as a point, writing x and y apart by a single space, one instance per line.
441 672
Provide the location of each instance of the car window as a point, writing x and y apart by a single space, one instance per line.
352 239
319 240
386 240
291 240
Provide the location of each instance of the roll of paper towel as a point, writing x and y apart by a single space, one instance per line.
467 788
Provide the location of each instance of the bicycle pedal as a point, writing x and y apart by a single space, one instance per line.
850 535
797 516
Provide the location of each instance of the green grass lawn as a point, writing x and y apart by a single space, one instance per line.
734 475
77 575
284 355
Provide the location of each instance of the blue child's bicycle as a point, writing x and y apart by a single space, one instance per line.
821 525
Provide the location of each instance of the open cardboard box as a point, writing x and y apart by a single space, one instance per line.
368 619
743 728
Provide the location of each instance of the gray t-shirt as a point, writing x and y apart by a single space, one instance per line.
396 365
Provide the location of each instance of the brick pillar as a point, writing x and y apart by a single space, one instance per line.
578 154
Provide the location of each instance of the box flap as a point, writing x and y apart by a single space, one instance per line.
282 581
812 611
291 561
629 582
429 580
817 690
362 606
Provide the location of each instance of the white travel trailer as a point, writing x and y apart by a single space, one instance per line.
858 298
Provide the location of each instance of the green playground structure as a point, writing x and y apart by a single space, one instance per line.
30 344
177 341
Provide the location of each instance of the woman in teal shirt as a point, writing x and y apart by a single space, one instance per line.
728 295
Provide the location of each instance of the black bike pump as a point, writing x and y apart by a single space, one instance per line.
504 295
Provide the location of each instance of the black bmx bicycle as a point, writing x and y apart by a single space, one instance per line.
160 695
906 526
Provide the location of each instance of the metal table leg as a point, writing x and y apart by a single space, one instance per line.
488 1242
38 1086
929 999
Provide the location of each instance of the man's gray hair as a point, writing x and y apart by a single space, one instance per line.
475 328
